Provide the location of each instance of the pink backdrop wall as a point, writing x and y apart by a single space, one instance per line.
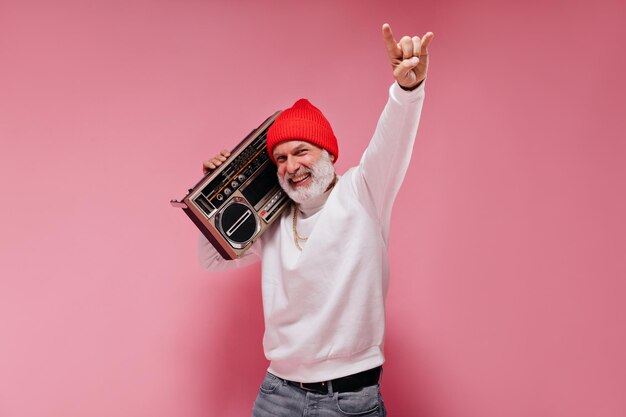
508 243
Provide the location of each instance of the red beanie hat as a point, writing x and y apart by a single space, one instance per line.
302 121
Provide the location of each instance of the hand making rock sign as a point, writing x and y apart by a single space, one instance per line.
409 57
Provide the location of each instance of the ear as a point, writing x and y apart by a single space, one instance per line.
332 158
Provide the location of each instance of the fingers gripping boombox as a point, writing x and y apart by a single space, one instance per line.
235 203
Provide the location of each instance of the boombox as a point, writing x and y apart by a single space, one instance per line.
236 202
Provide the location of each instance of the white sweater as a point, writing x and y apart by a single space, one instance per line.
324 307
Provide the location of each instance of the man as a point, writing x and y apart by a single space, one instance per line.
325 262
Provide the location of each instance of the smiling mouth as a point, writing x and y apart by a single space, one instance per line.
299 179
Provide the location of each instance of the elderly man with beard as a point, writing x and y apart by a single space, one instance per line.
325 261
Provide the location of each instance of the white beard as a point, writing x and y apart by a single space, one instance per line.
322 173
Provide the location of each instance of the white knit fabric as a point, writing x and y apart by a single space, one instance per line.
324 306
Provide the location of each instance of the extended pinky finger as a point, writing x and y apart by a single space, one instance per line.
426 40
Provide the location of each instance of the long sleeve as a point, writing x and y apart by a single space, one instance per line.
211 260
386 159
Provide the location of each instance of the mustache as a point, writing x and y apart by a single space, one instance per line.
300 171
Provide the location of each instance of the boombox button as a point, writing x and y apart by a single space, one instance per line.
235 184
263 212
219 197
227 191
241 178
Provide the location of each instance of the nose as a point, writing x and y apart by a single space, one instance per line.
292 164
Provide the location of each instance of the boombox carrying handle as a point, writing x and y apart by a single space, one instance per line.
178 204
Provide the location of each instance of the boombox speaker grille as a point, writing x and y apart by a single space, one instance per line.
238 223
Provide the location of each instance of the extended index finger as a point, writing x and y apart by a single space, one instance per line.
390 42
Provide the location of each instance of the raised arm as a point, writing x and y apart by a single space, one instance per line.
386 159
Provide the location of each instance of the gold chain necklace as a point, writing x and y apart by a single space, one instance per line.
296 237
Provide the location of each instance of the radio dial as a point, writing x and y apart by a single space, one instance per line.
234 184
241 177
219 197
227 191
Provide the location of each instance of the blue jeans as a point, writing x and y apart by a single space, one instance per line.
277 398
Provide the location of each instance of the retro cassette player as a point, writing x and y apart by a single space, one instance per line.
235 203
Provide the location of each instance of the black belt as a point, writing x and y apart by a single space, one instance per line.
344 384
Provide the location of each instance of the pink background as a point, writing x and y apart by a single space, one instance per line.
508 243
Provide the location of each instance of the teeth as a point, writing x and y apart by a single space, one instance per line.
300 178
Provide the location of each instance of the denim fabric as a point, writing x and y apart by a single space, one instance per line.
277 398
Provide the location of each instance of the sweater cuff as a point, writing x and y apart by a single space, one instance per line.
404 96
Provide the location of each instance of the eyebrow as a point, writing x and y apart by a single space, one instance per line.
301 146
297 148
